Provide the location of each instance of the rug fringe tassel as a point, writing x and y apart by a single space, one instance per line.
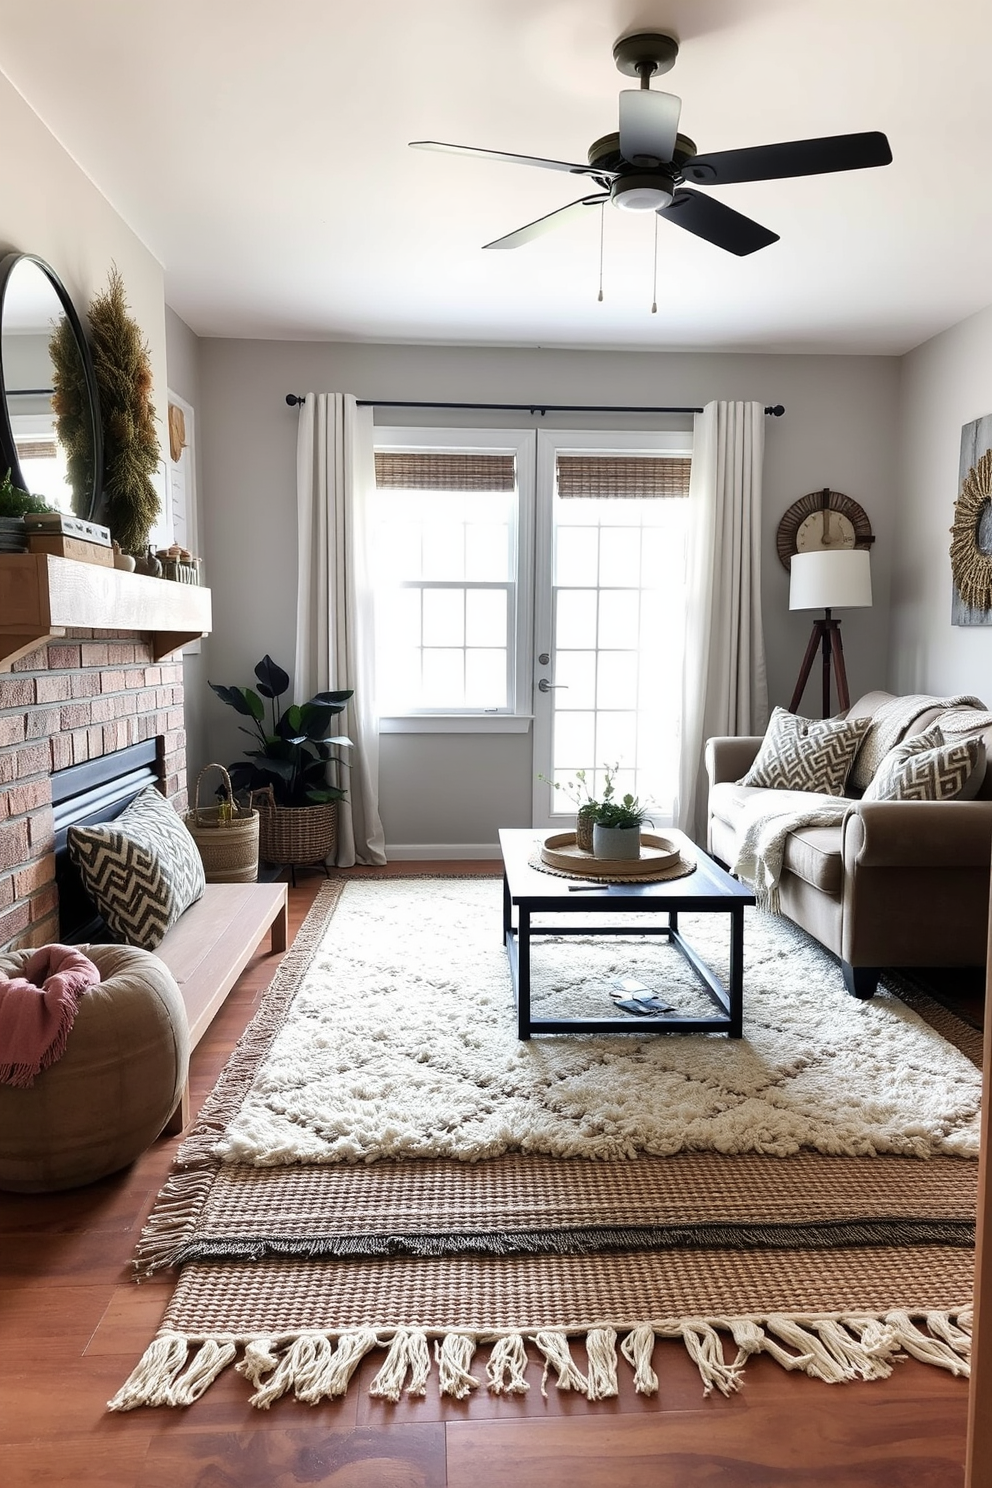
172 1222
507 1366
407 1352
454 1354
558 1356
601 1356
314 1366
945 1353
150 1381
341 1364
637 1349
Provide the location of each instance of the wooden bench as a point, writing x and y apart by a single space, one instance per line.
209 947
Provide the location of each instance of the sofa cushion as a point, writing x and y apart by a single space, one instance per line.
812 853
141 870
806 754
926 768
815 854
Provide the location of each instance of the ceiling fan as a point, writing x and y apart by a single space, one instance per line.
644 166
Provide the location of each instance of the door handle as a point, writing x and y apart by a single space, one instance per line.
545 686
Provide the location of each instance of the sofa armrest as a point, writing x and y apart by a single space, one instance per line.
919 834
730 757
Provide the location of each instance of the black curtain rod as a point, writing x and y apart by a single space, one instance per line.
542 408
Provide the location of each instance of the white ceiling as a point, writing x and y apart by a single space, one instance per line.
260 152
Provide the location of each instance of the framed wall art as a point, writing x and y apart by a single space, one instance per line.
971 534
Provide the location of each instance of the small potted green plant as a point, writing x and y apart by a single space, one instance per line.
15 505
617 823
586 805
286 774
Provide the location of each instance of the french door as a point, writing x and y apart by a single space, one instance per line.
609 616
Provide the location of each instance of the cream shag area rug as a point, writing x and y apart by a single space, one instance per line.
401 1042
307 1238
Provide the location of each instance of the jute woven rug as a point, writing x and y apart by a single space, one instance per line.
833 1265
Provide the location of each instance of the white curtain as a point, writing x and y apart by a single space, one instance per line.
335 648
724 686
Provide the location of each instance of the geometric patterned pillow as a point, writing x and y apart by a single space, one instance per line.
141 870
925 768
806 754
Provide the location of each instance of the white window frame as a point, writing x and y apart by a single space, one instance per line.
522 443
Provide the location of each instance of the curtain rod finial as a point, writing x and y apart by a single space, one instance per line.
777 411
293 399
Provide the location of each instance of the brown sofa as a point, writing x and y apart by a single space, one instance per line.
900 883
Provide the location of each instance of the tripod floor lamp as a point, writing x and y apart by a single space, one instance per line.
828 581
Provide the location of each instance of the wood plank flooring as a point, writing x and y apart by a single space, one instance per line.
72 1325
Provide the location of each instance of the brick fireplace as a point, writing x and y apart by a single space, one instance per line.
71 700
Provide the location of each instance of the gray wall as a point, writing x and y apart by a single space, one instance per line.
839 430
183 355
947 382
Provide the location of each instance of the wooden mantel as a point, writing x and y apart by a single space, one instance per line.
42 596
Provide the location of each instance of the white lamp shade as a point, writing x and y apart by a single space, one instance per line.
830 581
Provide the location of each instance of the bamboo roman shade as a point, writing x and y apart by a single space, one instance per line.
436 470
622 475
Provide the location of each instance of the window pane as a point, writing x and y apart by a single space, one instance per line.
444 550
574 741
619 558
444 617
617 683
576 670
444 679
485 617
575 618
615 736
487 551
485 679
576 555
618 617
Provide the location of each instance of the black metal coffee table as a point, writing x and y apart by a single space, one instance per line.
709 890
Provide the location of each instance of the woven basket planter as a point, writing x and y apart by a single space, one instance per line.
227 844
295 834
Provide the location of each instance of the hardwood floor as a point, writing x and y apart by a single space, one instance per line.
72 1325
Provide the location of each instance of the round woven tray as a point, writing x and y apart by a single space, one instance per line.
661 858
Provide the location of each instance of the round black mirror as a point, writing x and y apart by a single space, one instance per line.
50 432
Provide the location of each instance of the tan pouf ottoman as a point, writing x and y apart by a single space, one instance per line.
118 1082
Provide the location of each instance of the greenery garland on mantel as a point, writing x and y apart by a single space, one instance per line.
123 370
131 451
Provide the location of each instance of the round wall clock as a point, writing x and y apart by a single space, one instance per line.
823 521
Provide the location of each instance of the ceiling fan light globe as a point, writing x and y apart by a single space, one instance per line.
642 193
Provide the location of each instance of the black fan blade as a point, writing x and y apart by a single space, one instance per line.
557 165
718 224
813 157
544 224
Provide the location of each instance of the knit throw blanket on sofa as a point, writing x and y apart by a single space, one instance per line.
892 721
765 824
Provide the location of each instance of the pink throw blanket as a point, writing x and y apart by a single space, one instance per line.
35 1019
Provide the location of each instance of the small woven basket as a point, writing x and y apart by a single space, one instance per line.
226 836
295 834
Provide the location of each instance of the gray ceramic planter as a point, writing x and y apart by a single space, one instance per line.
616 842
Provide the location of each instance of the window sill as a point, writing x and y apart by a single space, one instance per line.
456 723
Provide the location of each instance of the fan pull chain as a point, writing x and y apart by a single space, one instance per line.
654 300
602 228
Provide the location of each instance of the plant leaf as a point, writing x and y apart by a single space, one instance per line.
272 679
242 699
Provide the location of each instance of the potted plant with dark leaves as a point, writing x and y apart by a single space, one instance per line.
616 831
293 773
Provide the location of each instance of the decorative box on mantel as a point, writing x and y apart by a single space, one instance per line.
42 596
